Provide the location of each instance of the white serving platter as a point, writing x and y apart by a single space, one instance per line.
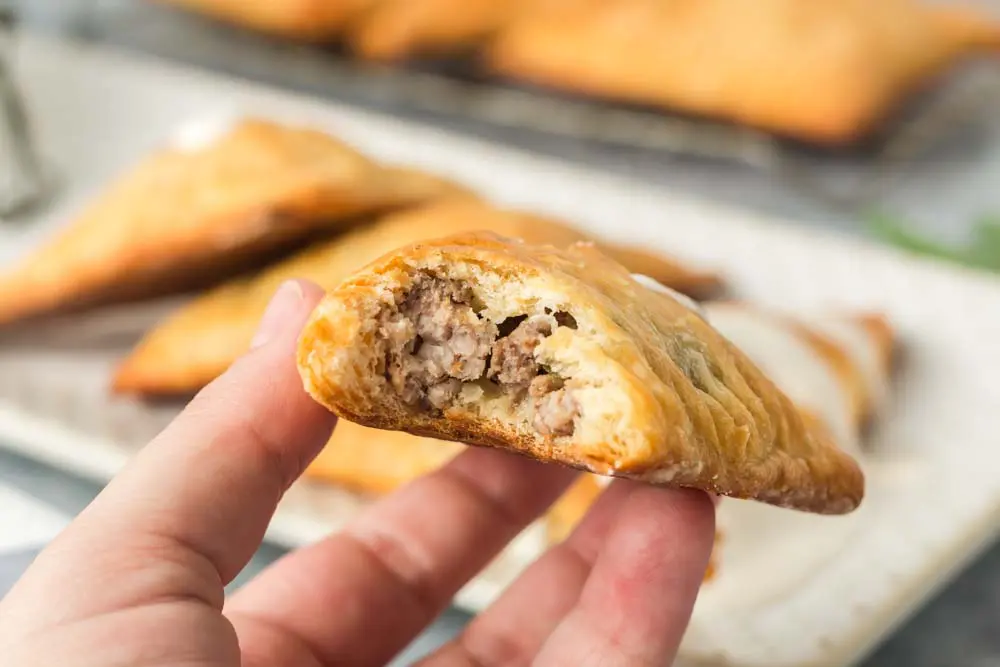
801 591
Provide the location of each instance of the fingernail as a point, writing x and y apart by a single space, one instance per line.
283 306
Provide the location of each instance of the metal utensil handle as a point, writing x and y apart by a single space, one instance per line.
25 181
14 112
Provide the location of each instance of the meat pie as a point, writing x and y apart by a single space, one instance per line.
563 356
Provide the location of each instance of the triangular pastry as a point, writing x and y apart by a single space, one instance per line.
857 351
847 64
201 340
190 215
561 355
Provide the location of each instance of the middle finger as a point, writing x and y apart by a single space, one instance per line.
516 626
394 570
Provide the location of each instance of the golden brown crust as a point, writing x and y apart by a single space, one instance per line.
183 219
399 29
663 397
304 20
375 461
846 63
699 285
200 341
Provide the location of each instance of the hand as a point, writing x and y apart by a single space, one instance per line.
138 578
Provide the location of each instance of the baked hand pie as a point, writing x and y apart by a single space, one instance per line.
562 356
191 348
836 367
303 20
847 64
854 353
191 215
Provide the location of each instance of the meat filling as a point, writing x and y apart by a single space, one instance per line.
436 341
555 412
513 363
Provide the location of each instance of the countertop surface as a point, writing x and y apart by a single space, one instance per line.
960 627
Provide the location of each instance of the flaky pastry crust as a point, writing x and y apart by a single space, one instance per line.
843 362
659 395
187 218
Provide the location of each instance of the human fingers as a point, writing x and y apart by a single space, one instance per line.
192 507
361 595
513 629
637 601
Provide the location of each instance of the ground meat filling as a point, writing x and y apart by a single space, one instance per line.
555 407
513 366
513 361
436 341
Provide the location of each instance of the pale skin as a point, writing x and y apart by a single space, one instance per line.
138 578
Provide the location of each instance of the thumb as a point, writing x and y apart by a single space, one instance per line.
197 500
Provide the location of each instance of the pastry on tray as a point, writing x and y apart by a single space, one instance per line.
189 216
836 368
201 340
563 356
305 20
824 71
